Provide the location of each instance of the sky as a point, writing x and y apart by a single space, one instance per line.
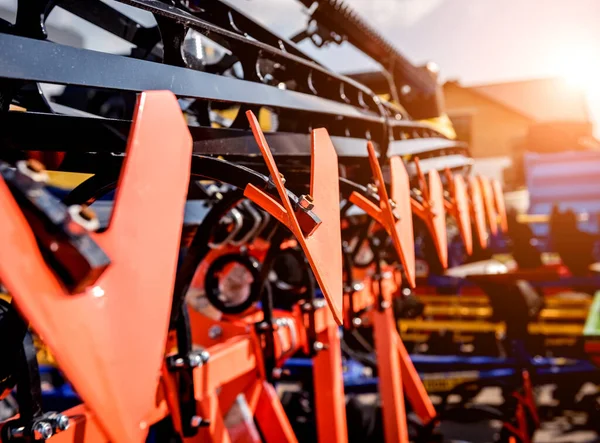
472 41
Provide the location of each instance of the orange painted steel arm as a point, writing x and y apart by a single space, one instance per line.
228 361
119 327
396 221
488 203
328 381
323 246
432 210
389 374
458 207
500 205
415 390
215 432
272 420
477 211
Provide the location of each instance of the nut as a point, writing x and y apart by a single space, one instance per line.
306 202
42 430
34 170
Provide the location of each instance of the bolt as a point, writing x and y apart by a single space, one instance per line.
306 307
176 362
195 360
33 169
205 355
16 433
282 177
83 217
277 372
357 321
215 332
372 188
197 421
263 326
42 430
358 286
385 304
87 213
392 204
306 202
318 304
62 422
318 346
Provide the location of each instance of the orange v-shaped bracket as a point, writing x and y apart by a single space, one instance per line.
488 203
110 340
499 204
322 244
477 211
393 214
458 206
431 209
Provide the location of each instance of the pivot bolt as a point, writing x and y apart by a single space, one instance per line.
395 210
195 360
197 421
62 422
282 177
34 170
357 321
84 217
306 202
215 332
42 430
319 346
372 188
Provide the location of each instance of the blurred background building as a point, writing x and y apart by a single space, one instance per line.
503 121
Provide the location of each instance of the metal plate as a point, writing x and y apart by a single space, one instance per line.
110 340
500 205
323 247
463 216
488 202
477 212
437 215
400 192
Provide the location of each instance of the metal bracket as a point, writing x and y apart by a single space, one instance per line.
488 203
95 335
394 214
322 241
477 211
62 233
431 209
500 205
458 206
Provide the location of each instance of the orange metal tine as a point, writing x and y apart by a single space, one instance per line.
110 340
272 420
500 204
488 203
389 371
400 193
432 210
330 404
459 208
477 211
399 228
216 431
323 247
415 390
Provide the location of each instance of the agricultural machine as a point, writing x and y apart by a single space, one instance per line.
211 237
